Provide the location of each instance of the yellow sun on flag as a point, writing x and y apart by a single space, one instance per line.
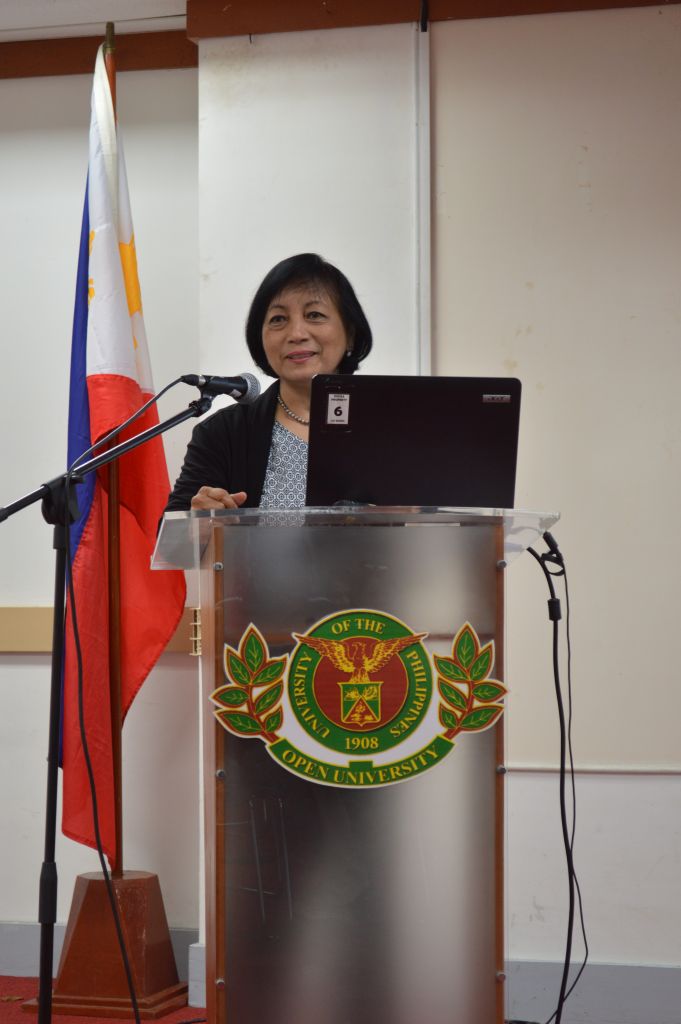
132 285
90 280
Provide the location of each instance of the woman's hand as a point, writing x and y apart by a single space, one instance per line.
216 497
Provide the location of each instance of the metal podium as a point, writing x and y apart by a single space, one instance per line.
352 681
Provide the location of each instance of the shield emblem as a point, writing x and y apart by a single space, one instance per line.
361 703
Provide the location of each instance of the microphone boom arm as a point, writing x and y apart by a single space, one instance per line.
50 491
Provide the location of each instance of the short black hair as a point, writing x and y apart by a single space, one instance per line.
309 269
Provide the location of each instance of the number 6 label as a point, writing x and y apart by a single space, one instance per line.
338 409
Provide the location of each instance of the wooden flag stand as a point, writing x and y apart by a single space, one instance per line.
91 979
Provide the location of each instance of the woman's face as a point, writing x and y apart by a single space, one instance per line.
303 334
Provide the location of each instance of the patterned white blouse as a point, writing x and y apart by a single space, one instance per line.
286 475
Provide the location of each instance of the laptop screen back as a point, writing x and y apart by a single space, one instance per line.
413 440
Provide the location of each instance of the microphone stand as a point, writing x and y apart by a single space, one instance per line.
52 495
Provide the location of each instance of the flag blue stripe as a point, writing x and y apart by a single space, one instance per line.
79 406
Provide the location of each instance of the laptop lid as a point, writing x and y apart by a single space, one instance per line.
413 440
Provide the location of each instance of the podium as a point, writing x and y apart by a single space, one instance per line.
352 683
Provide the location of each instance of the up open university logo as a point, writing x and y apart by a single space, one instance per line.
352 705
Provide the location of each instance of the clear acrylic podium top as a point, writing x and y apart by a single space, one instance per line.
184 535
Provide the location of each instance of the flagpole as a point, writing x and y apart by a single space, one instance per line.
97 974
114 559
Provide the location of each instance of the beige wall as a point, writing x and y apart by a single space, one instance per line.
557 247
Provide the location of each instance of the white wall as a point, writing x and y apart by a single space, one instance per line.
627 857
43 136
308 144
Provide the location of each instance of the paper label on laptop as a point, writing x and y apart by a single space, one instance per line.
338 409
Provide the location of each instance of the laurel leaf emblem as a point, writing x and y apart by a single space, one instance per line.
273 722
243 724
466 646
474 703
481 718
270 697
272 671
448 668
233 696
249 670
237 669
488 691
448 718
481 665
452 695
252 649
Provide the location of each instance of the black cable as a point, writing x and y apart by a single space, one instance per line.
554 558
557 558
574 793
122 426
90 772
88 765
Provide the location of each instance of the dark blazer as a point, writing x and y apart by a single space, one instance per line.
229 449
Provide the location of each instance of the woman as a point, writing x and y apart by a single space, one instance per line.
305 319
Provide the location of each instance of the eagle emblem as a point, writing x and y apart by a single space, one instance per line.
360 658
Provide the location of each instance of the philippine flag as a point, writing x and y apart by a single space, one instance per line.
110 379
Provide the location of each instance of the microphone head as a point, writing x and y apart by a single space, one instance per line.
252 390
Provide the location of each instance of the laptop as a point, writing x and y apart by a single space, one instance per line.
448 441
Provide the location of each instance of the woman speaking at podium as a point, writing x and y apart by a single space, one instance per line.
305 319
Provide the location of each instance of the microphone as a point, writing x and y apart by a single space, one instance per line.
244 388
554 551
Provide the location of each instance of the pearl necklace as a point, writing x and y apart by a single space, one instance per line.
289 412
